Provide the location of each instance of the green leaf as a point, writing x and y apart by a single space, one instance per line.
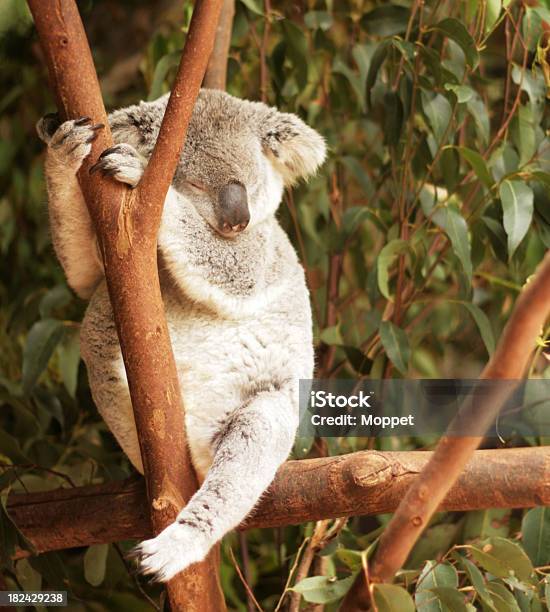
535 530
478 165
463 93
433 575
392 598
478 581
95 563
503 558
360 175
318 20
42 339
492 13
517 207
455 30
358 360
439 112
353 559
451 599
386 20
161 71
322 589
27 576
483 325
331 335
376 62
69 360
522 132
478 111
547 591
454 224
434 542
55 298
503 600
253 5
396 344
393 118
487 523
385 260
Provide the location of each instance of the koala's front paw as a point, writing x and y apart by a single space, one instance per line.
122 162
71 141
172 551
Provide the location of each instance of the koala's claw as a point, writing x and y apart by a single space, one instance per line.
71 141
83 121
122 162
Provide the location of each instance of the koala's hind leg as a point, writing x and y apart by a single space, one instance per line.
72 232
254 442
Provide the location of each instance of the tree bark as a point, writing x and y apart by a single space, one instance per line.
367 482
428 490
216 73
126 223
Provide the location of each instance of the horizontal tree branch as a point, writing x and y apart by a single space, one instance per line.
361 483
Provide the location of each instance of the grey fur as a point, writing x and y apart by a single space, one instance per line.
237 307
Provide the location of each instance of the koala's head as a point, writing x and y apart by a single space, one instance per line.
238 157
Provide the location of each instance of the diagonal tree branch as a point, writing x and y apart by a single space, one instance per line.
216 73
428 490
361 483
126 223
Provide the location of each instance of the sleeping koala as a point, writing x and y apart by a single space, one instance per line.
235 297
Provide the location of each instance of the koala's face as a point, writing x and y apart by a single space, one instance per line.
238 157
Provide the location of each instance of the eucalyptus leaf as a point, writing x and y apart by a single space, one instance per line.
478 582
535 530
478 165
396 344
392 598
95 563
503 558
254 5
376 63
455 30
41 342
69 359
439 112
483 324
386 20
433 575
323 589
517 207
385 259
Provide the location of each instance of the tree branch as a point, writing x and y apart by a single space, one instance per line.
216 73
361 483
126 223
426 494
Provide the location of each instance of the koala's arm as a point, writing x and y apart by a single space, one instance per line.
70 223
73 235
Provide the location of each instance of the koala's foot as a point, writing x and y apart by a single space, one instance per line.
172 551
71 141
122 162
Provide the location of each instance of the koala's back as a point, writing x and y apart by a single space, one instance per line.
222 358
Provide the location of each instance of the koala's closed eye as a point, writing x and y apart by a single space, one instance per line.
195 185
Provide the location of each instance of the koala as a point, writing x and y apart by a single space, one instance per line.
235 297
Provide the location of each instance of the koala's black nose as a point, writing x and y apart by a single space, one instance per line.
234 214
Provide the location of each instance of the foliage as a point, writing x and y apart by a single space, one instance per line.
431 212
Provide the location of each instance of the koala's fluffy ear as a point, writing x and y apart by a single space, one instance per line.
295 149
